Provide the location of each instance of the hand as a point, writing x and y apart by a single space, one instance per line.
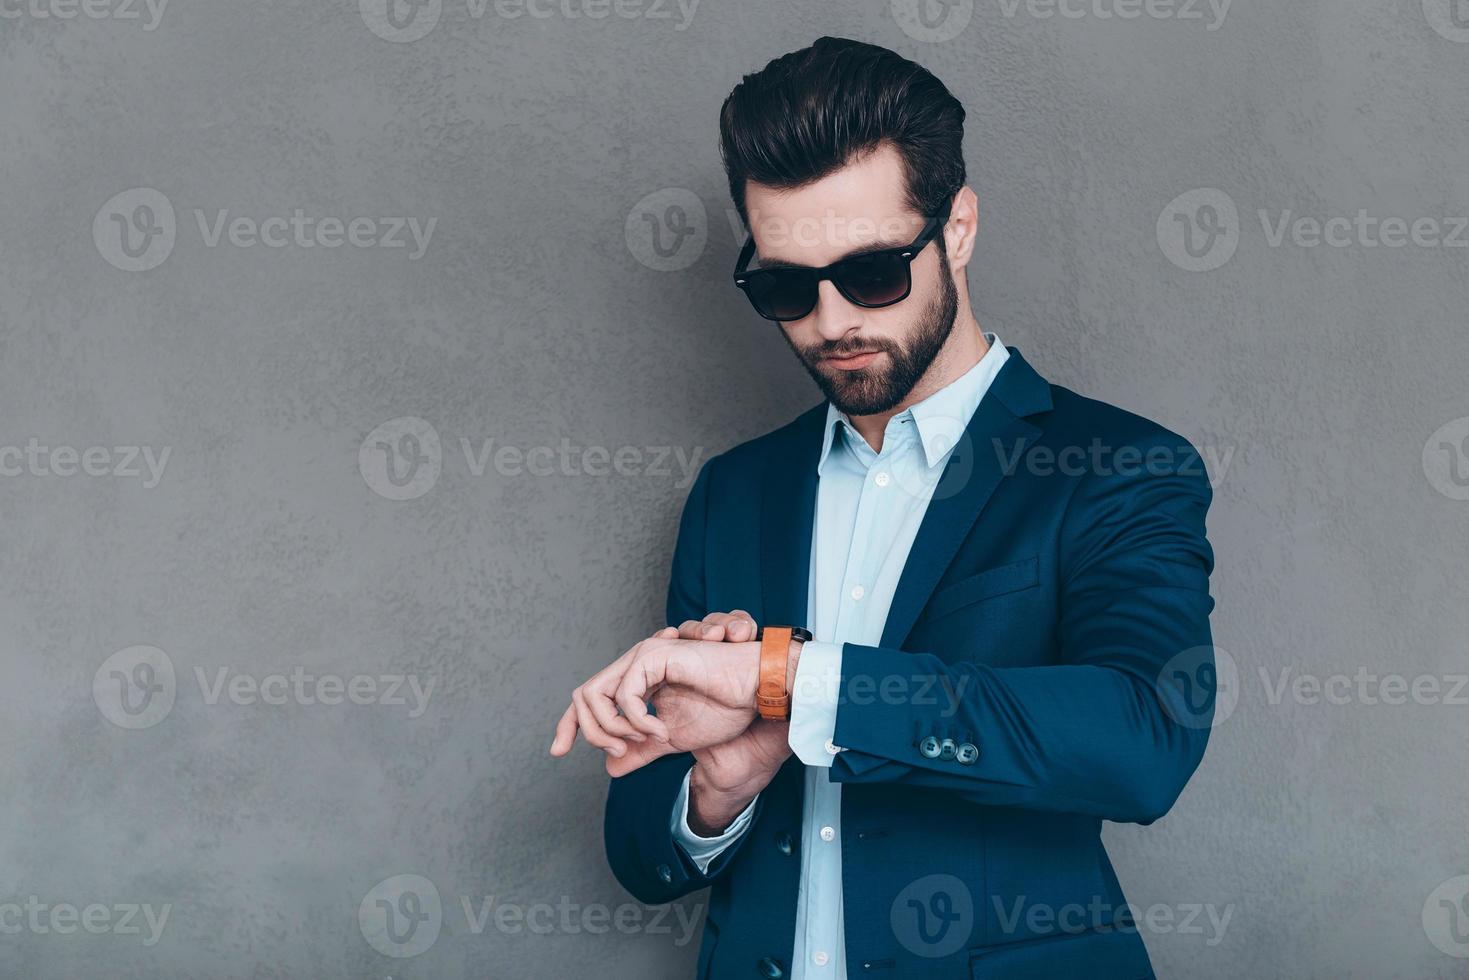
726 776
704 690
756 754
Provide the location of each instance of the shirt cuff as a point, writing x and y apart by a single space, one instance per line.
703 850
814 703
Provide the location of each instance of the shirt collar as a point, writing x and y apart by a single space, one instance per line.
941 418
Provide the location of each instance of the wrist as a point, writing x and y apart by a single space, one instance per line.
791 660
712 808
775 672
750 651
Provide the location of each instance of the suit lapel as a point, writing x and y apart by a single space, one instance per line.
996 435
787 514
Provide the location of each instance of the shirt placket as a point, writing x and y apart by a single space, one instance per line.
824 946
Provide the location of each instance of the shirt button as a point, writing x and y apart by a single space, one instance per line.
819 958
832 748
882 479
858 592
828 834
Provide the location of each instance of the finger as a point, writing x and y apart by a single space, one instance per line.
637 756
691 629
591 730
740 626
713 627
666 633
572 719
598 696
565 732
645 674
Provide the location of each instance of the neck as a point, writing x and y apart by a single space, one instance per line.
964 348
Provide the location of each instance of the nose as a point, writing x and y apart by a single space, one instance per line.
835 317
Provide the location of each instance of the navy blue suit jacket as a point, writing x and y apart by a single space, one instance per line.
1055 600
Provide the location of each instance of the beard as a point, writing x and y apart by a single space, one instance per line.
872 390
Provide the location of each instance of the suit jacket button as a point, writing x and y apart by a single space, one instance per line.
929 747
784 844
665 874
947 749
968 752
771 968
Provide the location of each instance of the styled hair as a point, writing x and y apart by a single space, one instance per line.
809 113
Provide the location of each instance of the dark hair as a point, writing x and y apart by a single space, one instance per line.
807 114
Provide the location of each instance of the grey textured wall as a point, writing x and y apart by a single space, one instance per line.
218 598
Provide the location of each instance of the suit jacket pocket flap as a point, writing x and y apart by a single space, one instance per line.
987 584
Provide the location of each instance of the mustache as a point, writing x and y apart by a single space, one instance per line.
848 348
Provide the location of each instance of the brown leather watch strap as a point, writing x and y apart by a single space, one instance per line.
771 698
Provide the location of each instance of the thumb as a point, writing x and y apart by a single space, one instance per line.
638 754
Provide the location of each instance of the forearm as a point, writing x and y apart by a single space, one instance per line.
1077 738
1087 732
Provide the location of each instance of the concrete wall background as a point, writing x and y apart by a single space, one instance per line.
541 311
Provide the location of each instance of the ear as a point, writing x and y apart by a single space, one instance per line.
962 230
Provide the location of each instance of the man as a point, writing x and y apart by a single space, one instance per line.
1005 587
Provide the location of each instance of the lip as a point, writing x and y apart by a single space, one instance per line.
853 363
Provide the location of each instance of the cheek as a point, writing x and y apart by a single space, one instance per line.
893 323
930 284
926 284
801 333
798 332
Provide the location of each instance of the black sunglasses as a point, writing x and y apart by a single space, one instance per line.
871 280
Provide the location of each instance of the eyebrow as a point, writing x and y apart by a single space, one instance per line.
854 254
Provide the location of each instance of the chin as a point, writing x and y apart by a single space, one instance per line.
863 396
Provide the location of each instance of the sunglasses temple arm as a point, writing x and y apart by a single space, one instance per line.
746 254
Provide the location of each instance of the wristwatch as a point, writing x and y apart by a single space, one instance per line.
772 699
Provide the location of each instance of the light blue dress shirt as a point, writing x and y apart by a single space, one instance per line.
869 506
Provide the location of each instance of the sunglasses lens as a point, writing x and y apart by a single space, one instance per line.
782 294
875 280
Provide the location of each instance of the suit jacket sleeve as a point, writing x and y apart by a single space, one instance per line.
636 827
1104 731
